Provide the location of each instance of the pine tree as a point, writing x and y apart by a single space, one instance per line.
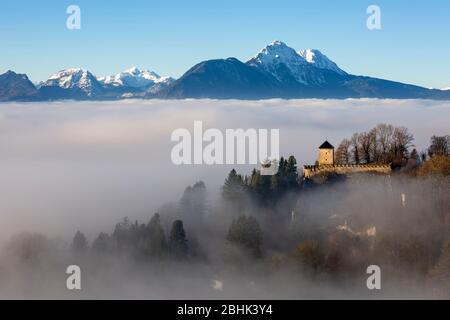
233 187
279 181
101 243
292 174
121 234
246 233
193 204
79 243
177 241
156 240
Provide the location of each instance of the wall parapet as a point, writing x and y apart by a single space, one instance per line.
311 170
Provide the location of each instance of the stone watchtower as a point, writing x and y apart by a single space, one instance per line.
326 154
325 164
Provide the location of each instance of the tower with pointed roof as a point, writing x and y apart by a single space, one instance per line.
326 154
325 165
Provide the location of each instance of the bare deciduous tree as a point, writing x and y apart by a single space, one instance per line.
343 152
355 148
382 144
384 133
440 146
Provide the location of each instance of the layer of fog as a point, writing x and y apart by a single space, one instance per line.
359 203
84 165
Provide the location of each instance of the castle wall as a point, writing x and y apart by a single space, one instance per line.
310 171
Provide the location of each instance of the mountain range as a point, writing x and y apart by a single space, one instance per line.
277 71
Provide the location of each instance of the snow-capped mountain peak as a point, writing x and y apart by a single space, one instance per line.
278 52
135 78
133 70
277 56
319 60
74 78
69 78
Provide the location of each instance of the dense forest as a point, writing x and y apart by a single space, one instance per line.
323 231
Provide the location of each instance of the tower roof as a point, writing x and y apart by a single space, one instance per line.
326 145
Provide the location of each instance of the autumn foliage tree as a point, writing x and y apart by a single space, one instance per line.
310 254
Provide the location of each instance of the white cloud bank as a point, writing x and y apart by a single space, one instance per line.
84 165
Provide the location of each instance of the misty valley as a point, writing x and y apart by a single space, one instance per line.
220 159
98 194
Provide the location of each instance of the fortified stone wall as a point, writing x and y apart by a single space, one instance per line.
310 171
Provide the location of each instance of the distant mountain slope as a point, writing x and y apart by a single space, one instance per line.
286 73
15 86
367 87
276 71
221 79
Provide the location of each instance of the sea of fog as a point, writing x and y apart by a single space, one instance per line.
66 166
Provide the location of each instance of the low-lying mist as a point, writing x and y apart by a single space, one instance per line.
68 166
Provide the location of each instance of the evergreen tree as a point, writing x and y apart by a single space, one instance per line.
156 240
193 203
79 243
135 235
292 173
101 243
423 156
283 173
245 232
415 155
121 234
275 185
254 179
177 241
261 188
233 188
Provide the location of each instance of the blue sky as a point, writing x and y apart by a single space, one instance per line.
169 36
